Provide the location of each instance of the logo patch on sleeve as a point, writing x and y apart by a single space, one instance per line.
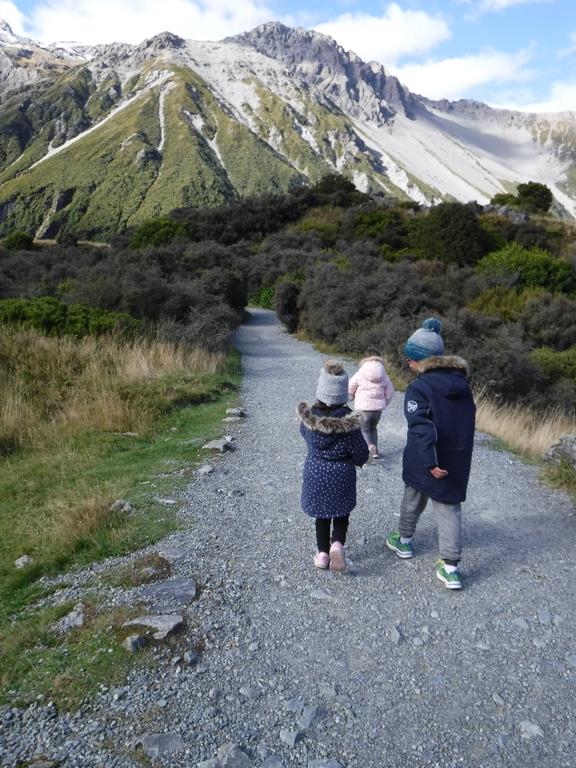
411 406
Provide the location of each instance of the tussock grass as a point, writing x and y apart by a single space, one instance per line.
525 431
83 423
56 387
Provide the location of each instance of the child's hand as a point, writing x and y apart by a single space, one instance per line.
438 473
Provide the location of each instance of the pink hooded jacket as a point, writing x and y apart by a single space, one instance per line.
370 386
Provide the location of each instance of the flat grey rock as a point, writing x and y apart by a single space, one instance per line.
223 444
72 620
173 554
174 593
231 756
162 625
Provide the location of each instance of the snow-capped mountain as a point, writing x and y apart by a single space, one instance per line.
99 138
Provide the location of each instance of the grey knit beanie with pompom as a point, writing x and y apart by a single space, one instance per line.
426 341
332 386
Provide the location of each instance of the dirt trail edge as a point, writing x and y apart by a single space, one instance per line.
381 666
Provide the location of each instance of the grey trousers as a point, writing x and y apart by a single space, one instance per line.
448 518
368 423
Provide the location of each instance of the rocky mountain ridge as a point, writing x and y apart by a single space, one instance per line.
94 139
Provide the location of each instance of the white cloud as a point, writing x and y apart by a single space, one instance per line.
500 5
455 78
562 98
10 13
132 21
389 37
571 48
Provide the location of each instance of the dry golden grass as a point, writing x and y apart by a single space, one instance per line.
529 433
70 520
51 387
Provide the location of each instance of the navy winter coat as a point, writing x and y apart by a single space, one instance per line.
440 412
335 448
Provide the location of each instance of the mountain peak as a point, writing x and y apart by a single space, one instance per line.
365 89
6 33
163 41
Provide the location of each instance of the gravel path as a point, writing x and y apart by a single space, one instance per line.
378 667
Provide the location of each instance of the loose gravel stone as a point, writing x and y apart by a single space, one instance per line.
157 744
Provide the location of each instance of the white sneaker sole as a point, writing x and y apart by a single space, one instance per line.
403 555
449 584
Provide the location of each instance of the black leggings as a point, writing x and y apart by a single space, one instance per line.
340 526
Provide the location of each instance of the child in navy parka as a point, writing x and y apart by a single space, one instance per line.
335 448
440 413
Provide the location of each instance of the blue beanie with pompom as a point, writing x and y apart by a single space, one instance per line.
426 341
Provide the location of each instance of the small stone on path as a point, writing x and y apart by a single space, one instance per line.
156 744
295 705
520 623
290 737
530 730
319 594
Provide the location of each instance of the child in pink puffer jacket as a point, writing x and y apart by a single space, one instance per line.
372 391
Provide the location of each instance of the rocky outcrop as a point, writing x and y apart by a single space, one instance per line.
364 89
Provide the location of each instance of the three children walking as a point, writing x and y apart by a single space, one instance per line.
440 415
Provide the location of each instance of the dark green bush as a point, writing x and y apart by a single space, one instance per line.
450 232
556 365
550 321
502 302
516 266
286 304
157 232
18 241
55 318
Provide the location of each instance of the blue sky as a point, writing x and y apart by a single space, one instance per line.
510 53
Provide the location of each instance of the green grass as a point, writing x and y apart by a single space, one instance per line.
89 471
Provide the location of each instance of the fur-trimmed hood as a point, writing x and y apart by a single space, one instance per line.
327 425
370 359
442 361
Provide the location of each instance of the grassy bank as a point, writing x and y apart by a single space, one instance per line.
83 423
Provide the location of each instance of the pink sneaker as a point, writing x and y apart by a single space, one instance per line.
337 559
321 560
373 450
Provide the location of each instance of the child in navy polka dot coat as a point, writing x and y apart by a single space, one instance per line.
335 448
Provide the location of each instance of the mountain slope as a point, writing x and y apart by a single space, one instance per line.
107 136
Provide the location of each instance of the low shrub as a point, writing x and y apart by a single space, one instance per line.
556 365
55 318
18 241
516 266
505 303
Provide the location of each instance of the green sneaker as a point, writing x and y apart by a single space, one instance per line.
451 580
402 550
